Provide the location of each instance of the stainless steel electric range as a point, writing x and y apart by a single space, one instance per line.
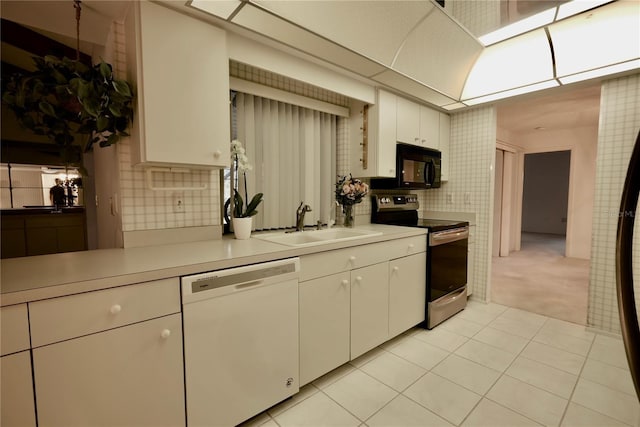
446 255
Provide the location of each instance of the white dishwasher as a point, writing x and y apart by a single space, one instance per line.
240 341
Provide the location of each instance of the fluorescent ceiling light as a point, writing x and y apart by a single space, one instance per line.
575 7
536 21
605 36
454 106
510 64
512 92
220 8
604 71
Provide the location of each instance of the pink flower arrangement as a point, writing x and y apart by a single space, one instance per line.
350 191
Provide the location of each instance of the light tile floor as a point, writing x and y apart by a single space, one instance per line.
490 365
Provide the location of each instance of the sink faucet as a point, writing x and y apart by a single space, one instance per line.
302 209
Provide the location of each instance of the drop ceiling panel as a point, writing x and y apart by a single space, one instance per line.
593 39
439 54
375 29
291 35
405 84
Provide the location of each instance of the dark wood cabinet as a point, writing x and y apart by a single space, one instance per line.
27 232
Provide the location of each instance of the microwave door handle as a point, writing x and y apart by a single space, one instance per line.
432 173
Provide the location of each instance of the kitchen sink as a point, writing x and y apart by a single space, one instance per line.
316 237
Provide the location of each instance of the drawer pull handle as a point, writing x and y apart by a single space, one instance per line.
352 258
345 282
115 309
166 333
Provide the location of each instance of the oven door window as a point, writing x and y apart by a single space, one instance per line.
447 268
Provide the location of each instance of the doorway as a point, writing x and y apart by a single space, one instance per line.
545 201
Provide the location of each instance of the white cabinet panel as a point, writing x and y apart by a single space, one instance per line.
126 376
408 123
429 128
16 389
445 140
380 133
182 84
369 307
407 292
324 325
71 316
14 324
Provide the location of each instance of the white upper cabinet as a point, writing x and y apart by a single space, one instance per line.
180 70
445 138
417 124
373 137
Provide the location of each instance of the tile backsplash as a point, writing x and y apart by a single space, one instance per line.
618 129
470 185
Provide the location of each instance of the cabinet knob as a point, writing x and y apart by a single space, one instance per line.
417 139
396 268
358 278
345 282
352 258
166 333
115 309
411 245
424 141
217 153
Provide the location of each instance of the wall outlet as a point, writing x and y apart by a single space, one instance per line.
450 198
178 203
467 198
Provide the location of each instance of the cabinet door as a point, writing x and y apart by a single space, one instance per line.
125 376
324 325
369 307
182 80
429 128
407 292
445 138
16 388
408 122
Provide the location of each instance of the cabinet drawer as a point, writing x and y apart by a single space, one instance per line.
404 247
67 317
15 329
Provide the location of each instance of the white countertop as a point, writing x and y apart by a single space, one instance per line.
48 276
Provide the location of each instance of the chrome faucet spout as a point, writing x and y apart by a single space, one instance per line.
302 209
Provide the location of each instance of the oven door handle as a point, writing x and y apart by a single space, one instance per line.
443 237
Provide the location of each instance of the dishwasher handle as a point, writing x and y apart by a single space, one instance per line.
222 282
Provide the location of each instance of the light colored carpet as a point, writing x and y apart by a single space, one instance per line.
539 278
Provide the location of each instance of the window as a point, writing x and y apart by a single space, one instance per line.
292 150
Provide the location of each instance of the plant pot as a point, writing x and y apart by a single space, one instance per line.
242 227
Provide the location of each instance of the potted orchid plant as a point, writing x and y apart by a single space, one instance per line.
242 210
349 191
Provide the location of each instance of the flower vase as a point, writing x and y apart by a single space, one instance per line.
242 227
348 216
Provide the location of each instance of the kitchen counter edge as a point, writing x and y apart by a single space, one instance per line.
49 276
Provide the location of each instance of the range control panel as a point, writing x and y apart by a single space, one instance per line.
397 202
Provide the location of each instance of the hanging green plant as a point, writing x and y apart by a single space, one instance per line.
63 97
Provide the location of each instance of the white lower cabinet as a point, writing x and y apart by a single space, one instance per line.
369 307
325 307
407 292
132 375
16 390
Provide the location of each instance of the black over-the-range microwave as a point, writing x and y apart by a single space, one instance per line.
416 167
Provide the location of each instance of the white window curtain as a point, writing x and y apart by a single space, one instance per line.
292 150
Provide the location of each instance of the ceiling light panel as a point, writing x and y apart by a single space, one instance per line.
575 7
604 71
512 92
510 64
375 29
220 8
599 38
536 21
